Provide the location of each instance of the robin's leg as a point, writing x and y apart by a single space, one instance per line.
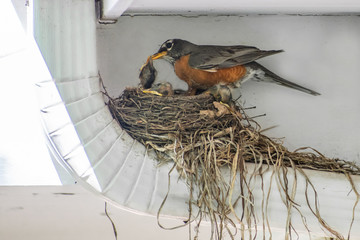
191 92
221 93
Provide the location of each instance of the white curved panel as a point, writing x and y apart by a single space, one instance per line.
103 142
103 155
124 173
144 183
76 90
89 127
86 107
54 117
64 46
65 33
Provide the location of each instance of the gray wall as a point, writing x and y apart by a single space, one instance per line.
321 53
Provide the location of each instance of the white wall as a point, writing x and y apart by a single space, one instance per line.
321 53
72 213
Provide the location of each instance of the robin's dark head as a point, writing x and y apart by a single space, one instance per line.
173 49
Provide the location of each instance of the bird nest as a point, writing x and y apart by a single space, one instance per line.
203 137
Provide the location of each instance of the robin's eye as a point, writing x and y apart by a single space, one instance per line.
168 45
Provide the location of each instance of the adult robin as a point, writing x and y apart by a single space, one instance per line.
204 66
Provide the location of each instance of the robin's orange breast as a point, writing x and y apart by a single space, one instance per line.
201 79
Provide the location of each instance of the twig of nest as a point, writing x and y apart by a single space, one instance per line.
201 136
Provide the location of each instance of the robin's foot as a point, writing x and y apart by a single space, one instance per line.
191 91
221 93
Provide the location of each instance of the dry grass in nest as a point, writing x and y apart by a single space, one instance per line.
201 137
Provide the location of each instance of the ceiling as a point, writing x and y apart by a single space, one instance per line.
115 8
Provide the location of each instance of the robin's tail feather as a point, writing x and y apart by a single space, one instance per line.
269 76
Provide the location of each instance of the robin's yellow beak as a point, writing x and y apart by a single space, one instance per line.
158 55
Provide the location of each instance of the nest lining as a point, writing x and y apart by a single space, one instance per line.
200 136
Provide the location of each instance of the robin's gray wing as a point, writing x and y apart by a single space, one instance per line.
217 57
